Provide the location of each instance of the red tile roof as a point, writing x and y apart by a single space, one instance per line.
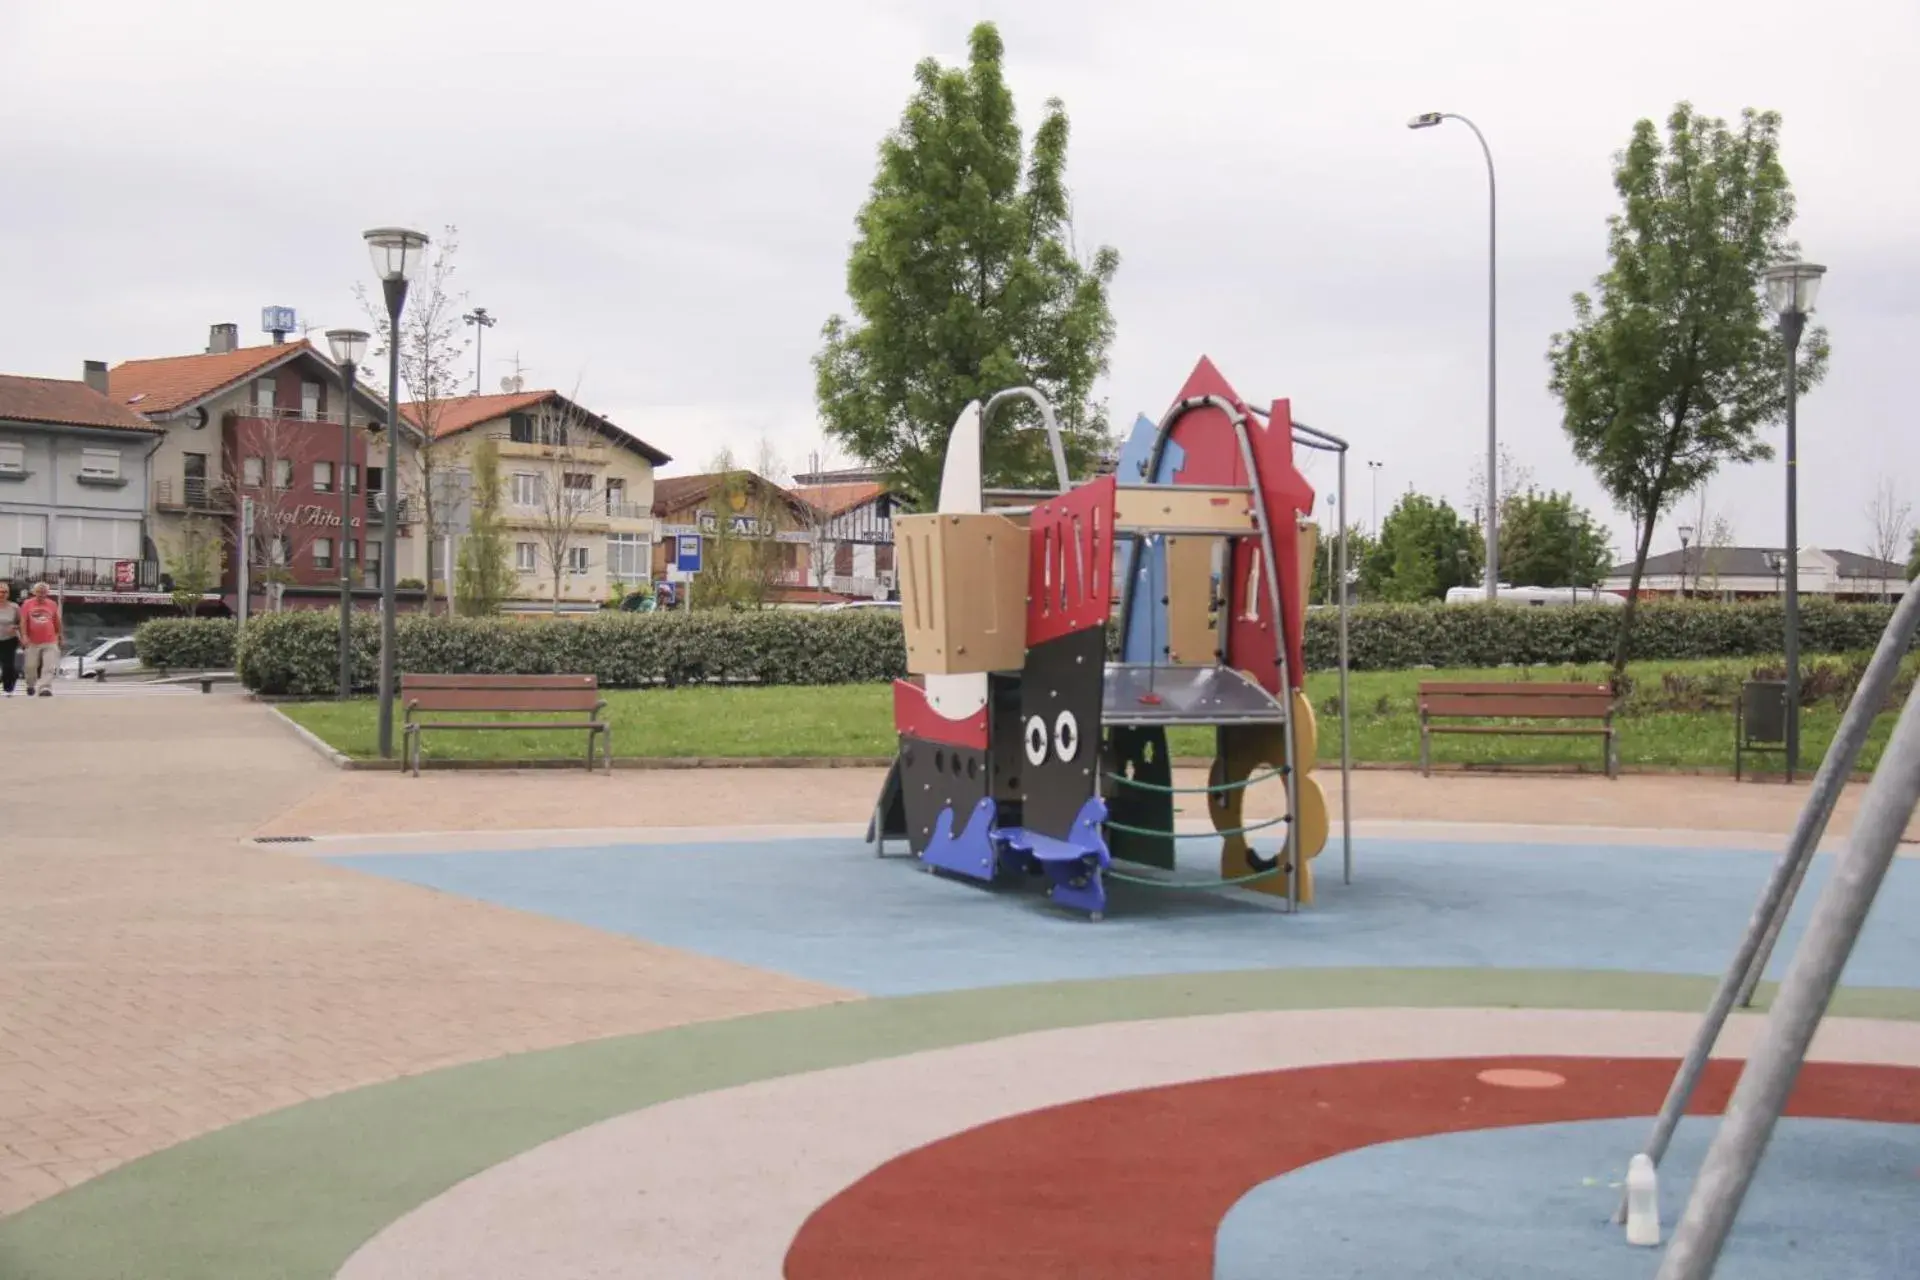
463 413
174 382
459 413
833 499
63 403
678 493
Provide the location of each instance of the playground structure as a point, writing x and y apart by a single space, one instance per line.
1023 749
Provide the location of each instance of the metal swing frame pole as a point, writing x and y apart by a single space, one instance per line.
1776 900
1761 1096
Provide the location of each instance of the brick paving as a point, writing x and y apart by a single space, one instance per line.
160 978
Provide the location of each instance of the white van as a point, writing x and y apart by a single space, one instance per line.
1535 595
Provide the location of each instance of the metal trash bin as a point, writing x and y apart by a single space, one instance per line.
1759 721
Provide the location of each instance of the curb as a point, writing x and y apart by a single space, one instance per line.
338 759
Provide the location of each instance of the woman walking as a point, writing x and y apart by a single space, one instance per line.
9 640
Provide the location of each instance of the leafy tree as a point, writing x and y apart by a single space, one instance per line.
1913 557
1425 549
1359 548
195 561
1547 541
484 576
965 281
1674 371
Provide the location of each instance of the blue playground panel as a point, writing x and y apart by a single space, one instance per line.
828 910
1834 1199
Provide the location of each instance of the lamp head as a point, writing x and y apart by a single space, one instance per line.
1792 286
396 251
349 346
1686 534
1425 120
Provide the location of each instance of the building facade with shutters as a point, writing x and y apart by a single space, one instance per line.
576 500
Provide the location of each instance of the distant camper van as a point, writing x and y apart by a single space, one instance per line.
1535 595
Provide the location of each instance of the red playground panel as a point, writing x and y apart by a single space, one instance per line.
1070 559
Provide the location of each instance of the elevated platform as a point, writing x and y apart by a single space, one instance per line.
1137 694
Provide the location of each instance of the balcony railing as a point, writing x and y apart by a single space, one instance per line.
192 494
628 511
295 415
377 509
581 446
82 573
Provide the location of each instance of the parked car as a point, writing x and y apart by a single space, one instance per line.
112 656
860 604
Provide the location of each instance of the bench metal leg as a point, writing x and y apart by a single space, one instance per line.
1426 750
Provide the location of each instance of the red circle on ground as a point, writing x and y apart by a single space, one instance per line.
1136 1184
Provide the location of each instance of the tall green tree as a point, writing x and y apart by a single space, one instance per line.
965 281
1547 541
1425 549
1913 557
195 562
1359 548
484 575
1673 371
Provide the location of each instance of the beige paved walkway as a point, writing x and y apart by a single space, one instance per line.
158 977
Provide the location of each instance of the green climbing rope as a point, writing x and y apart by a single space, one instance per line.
1156 883
1195 835
1278 771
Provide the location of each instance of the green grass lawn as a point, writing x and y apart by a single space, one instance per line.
857 720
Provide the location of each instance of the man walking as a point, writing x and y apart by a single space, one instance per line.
40 628
9 639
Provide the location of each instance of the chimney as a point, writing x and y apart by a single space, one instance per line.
223 338
95 375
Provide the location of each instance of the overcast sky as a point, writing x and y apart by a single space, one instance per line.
656 199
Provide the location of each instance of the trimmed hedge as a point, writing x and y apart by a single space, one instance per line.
1385 637
186 644
296 652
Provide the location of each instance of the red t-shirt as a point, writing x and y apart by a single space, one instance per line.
40 620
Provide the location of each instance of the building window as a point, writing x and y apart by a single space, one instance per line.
526 557
351 549
310 401
526 489
376 479
283 473
353 477
616 497
843 559
323 477
263 397
251 472
579 559
281 549
13 458
627 556
323 553
22 534
373 563
579 490
520 429
100 464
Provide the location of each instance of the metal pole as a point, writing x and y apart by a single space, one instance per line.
1876 684
1776 900
1791 323
1768 1078
396 291
1346 718
346 530
246 556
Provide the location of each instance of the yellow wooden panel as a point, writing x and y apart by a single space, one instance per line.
963 592
1306 733
1183 507
1309 544
1193 629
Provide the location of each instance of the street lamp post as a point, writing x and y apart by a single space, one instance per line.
395 251
1373 470
481 322
349 347
1428 120
1686 536
1791 289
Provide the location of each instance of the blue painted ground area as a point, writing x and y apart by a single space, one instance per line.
1835 1199
830 911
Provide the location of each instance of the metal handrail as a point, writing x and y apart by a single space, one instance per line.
1032 394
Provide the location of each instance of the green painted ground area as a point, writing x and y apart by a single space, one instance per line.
291 1195
1679 716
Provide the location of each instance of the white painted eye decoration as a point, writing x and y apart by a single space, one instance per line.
1066 737
1036 741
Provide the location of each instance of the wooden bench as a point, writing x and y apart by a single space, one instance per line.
553 695
1517 700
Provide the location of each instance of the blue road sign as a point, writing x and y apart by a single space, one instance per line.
686 552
